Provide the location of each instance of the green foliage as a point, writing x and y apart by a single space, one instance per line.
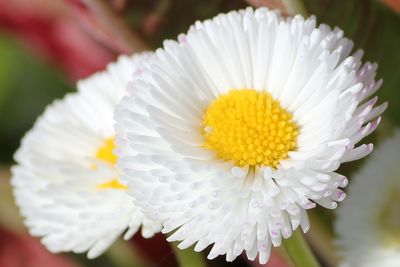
374 28
27 85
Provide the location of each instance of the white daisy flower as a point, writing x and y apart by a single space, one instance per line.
65 182
368 223
231 134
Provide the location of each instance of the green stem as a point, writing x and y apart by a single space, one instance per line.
124 254
298 250
320 238
296 7
188 257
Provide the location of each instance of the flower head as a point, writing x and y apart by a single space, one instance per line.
65 181
368 223
229 135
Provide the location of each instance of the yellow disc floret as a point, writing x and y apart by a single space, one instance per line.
250 128
106 153
114 183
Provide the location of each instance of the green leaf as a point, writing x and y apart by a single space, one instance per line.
374 28
27 85
5 71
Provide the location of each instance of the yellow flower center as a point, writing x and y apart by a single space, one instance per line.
106 153
250 128
389 220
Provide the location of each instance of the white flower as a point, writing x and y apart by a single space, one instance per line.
229 135
65 181
368 223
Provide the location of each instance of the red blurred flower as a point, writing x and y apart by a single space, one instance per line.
394 4
48 27
17 250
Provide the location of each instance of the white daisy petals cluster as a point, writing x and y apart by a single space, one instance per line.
368 222
65 182
230 134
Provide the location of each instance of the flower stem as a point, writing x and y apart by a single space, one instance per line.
320 238
188 257
298 250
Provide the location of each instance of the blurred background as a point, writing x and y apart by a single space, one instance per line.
47 45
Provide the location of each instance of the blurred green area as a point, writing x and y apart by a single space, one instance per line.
27 85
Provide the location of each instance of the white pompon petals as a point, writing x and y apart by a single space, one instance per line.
54 181
308 68
361 235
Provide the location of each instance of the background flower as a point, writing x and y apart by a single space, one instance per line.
368 223
65 181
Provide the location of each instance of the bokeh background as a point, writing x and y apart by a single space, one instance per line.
47 45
